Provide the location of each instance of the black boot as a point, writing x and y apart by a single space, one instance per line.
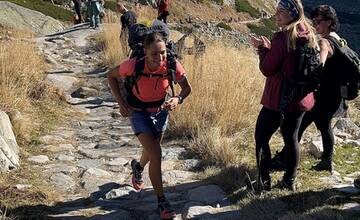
264 179
287 184
324 165
278 161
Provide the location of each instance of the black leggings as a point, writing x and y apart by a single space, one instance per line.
77 7
323 123
163 16
266 125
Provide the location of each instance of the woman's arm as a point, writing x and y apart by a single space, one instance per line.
172 103
271 59
113 76
325 50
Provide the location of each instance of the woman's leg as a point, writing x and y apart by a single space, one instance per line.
305 122
289 129
153 154
92 13
144 159
267 123
323 123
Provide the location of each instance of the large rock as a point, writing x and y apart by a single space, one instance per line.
346 125
18 17
208 194
64 83
9 150
193 210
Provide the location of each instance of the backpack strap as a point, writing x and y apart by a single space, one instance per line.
334 42
139 71
171 71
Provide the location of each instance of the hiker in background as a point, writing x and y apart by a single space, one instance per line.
329 102
127 18
77 10
163 9
278 65
148 111
94 9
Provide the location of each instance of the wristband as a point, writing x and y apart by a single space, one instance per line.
180 99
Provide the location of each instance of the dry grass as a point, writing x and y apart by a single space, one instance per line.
22 85
114 51
33 107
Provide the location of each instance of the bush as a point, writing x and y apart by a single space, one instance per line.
46 8
266 28
225 26
244 6
110 5
219 2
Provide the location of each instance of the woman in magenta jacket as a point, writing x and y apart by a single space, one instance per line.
278 63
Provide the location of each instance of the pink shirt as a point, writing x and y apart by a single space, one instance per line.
151 88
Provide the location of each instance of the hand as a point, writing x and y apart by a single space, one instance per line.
171 103
255 41
125 110
266 42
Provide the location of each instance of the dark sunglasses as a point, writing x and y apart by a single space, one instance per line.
317 21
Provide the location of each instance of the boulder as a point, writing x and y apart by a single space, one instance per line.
9 149
64 83
15 16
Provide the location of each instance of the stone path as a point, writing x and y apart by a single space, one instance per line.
87 159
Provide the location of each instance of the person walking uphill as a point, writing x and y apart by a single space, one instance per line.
148 110
329 102
94 12
278 65
163 10
127 18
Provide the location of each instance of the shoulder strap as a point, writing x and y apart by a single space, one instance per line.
335 42
171 64
139 70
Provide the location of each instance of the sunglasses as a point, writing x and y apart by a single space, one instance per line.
317 21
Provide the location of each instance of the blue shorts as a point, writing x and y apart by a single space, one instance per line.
153 123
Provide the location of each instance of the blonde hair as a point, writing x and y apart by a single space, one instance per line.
293 31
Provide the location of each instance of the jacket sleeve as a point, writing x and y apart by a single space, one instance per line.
271 60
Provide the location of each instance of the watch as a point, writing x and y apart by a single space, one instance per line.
180 99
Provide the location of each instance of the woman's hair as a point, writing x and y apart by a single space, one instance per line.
293 31
327 13
153 38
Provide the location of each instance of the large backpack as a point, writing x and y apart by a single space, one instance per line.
349 67
306 77
137 35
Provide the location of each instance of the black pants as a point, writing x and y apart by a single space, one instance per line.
266 125
77 6
163 16
323 124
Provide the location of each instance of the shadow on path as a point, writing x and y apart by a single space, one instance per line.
134 205
69 30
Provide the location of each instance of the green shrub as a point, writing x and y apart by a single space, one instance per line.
244 6
110 5
219 2
225 26
46 8
267 27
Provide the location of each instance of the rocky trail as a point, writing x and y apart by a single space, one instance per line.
87 159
